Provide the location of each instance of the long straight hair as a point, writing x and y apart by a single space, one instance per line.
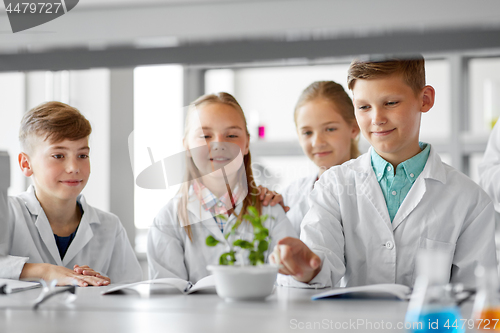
334 93
193 172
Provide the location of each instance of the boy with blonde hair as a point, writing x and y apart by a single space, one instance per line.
55 234
370 216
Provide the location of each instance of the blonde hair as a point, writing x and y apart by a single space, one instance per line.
193 173
412 71
54 121
334 93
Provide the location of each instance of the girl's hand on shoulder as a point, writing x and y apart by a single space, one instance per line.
86 270
271 198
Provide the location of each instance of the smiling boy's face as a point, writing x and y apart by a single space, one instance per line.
59 170
388 113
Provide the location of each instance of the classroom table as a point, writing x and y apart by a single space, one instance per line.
153 310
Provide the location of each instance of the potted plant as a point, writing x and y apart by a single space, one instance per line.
242 273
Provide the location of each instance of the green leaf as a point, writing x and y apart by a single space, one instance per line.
263 246
250 219
243 244
227 258
253 211
260 260
261 234
223 260
263 218
252 257
211 241
222 217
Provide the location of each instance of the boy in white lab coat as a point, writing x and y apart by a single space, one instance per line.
55 234
370 216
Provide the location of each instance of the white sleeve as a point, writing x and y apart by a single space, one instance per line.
321 231
4 224
475 244
124 267
165 248
281 227
10 266
489 169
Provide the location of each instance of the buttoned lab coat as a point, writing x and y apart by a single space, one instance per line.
172 254
349 228
489 168
296 197
100 242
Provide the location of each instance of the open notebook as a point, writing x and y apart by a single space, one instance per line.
378 291
8 286
183 286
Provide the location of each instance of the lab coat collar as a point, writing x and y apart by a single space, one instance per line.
434 170
83 234
35 208
412 166
205 217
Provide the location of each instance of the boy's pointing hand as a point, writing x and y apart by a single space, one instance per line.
296 259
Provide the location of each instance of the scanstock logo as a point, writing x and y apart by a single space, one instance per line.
28 14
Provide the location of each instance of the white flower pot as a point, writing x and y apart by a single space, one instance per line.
244 283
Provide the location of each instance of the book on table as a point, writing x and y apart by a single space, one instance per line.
183 286
8 286
376 291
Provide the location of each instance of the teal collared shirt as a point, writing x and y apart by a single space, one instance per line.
396 187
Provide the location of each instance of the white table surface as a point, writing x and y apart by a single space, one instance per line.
287 310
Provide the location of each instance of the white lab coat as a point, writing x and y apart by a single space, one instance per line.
4 208
489 169
296 197
100 242
172 254
4 223
349 228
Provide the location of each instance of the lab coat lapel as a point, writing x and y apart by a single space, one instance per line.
205 218
84 233
45 231
371 188
433 170
411 201
41 223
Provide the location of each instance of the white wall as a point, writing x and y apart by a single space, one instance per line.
271 93
483 72
158 124
12 99
89 92
436 124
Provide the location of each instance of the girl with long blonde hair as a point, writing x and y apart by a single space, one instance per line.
218 188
